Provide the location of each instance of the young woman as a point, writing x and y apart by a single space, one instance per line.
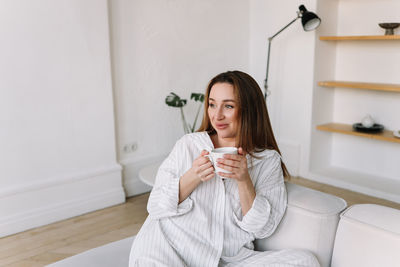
199 218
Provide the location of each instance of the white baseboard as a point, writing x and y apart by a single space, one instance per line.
40 204
376 186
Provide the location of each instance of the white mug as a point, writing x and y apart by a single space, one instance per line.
218 153
367 121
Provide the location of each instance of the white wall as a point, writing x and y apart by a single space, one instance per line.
290 74
57 140
162 46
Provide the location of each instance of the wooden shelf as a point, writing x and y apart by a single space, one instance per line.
360 37
359 85
385 135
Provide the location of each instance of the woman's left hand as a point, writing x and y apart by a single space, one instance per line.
236 164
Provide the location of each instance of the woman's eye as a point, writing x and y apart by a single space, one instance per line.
211 105
229 106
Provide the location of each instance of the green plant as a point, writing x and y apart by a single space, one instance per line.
173 100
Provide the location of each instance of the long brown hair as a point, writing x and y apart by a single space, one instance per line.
255 131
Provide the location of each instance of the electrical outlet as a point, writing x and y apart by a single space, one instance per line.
129 148
134 147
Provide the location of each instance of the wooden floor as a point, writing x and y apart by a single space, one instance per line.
47 244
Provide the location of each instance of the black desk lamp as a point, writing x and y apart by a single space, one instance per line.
309 20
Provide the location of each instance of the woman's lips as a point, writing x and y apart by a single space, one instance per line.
221 126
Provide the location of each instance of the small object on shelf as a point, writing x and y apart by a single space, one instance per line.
396 133
376 128
367 121
389 27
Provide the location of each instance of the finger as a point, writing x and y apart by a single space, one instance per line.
204 152
202 160
233 157
206 168
226 167
208 172
227 175
228 162
208 177
241 151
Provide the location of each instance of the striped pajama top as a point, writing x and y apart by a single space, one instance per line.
207 228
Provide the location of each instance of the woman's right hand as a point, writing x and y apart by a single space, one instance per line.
202 167
202 170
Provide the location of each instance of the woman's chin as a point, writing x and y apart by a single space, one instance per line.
225 134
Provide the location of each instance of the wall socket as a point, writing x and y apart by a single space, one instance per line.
129 148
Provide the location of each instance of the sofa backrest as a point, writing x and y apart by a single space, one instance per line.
310 223
368 235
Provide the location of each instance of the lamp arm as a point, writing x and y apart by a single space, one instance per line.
266 91
290 23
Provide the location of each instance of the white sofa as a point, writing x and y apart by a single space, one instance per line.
362 235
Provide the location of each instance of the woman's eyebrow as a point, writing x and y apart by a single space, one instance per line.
225 100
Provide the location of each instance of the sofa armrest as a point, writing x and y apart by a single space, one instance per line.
368 235
310 223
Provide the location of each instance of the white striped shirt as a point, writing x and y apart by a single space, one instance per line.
207 228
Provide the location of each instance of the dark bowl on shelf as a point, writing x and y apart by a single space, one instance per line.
389 27
376 128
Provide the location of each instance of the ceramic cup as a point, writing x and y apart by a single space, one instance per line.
217 153
367 121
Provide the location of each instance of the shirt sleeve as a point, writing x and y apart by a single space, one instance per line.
269 204
164 197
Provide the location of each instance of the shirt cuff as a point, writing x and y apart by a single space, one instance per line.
257 217
163 201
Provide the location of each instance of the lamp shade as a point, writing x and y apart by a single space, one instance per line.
309 20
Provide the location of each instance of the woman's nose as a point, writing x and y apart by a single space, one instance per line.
220 114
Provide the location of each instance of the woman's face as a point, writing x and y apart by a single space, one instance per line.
223 110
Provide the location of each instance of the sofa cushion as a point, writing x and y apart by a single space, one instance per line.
368 235
310 223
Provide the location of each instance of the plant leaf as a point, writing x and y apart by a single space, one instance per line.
197 97
173 100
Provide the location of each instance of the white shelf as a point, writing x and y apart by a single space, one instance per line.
377 186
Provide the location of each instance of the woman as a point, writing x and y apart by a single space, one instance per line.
199 218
